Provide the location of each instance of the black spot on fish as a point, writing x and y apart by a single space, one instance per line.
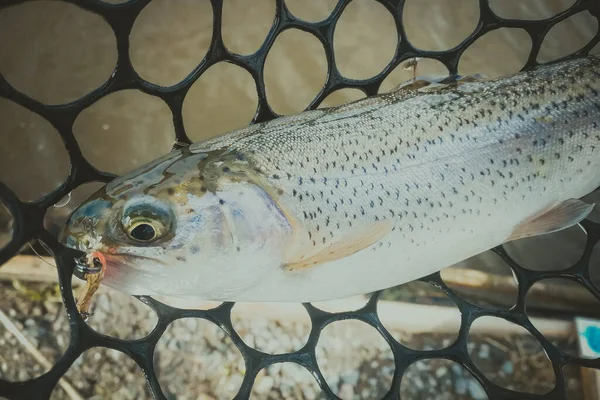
180 258
171 191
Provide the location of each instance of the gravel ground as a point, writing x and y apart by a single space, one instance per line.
195 360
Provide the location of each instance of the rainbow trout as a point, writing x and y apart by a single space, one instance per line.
352 199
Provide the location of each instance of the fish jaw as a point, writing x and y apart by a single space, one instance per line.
131 274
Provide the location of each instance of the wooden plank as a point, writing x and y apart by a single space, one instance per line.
502 290
29 268
590 382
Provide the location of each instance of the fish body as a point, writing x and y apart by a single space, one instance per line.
356 198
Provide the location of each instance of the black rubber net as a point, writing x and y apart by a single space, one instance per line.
28 217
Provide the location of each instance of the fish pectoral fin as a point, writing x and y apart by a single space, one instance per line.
351 243
564 215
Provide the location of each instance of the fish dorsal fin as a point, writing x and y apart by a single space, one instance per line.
353 242
432 83
562 216
179 145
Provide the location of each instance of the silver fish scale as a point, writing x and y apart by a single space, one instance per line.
434 161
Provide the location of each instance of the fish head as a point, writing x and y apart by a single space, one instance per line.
167 229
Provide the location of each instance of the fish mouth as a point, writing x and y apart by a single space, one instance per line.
92 263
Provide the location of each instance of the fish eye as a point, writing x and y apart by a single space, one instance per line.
145 222
144 232
143 229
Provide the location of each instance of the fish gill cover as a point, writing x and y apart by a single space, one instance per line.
28 217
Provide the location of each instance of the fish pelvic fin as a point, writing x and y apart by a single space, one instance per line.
562 216
353 242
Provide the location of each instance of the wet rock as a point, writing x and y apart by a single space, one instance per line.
476 391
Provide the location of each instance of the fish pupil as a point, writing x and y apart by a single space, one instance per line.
143 232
